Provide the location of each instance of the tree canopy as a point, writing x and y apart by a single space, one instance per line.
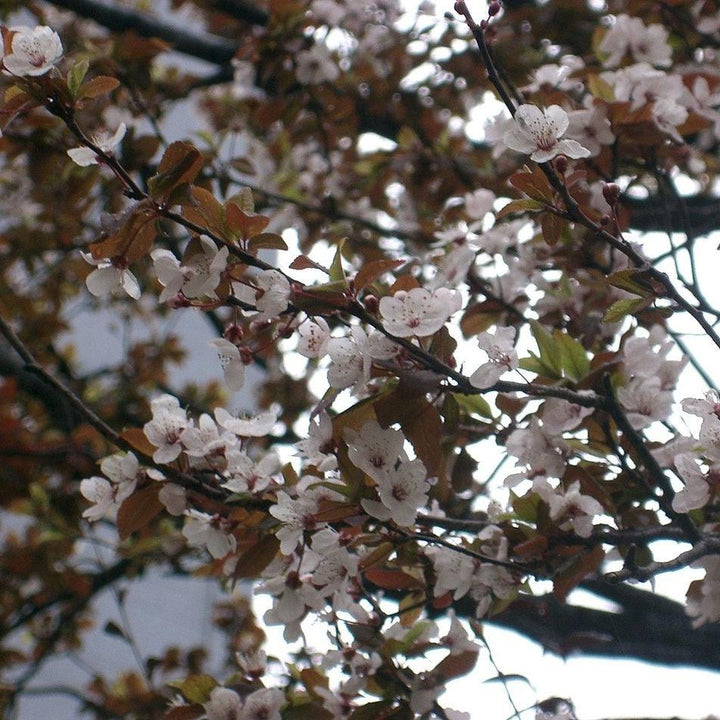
457 266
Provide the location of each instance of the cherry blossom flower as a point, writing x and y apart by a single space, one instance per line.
537 133
315 66
273 294
84 156
258 426
317 447
314 336
403 490
210 532
560 415
173 497
501 353
374 449
34 51
110 276
542 453
703 603
122 471
224 704
197 277
263 704
573 509
647 43
418 312
165 429
645 401
697 489
591 128
246 476
352 356
231 362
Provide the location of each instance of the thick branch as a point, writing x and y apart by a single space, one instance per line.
201 45
646 627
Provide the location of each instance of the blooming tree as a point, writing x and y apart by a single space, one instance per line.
484 382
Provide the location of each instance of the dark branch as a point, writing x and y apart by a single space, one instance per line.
198 44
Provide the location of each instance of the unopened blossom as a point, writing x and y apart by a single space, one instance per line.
538 133
646 43
33 51
210 532
231 362
316 65
166 428
697 488
104 141
272 295
502 357
111 275
418 312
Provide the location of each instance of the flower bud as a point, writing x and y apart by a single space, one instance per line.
234 333
561 164
494 8
611 193
372 304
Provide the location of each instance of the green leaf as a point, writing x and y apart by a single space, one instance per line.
573 358
195 688
474 404
77 75
627 306
337 274
550 355
520 206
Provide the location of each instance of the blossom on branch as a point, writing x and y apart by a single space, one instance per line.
104 141
418 312
501 353
34 51
537 133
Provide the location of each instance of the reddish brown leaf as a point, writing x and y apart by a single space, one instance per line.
138 510
393 579
373 270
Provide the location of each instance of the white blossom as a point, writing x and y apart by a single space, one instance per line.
314 336
697 489
224 704
104 141
210 532
165 429
34 51
646 43
537 133
315 66
110 276
418 312
273 294
231 363
258 426
502 357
